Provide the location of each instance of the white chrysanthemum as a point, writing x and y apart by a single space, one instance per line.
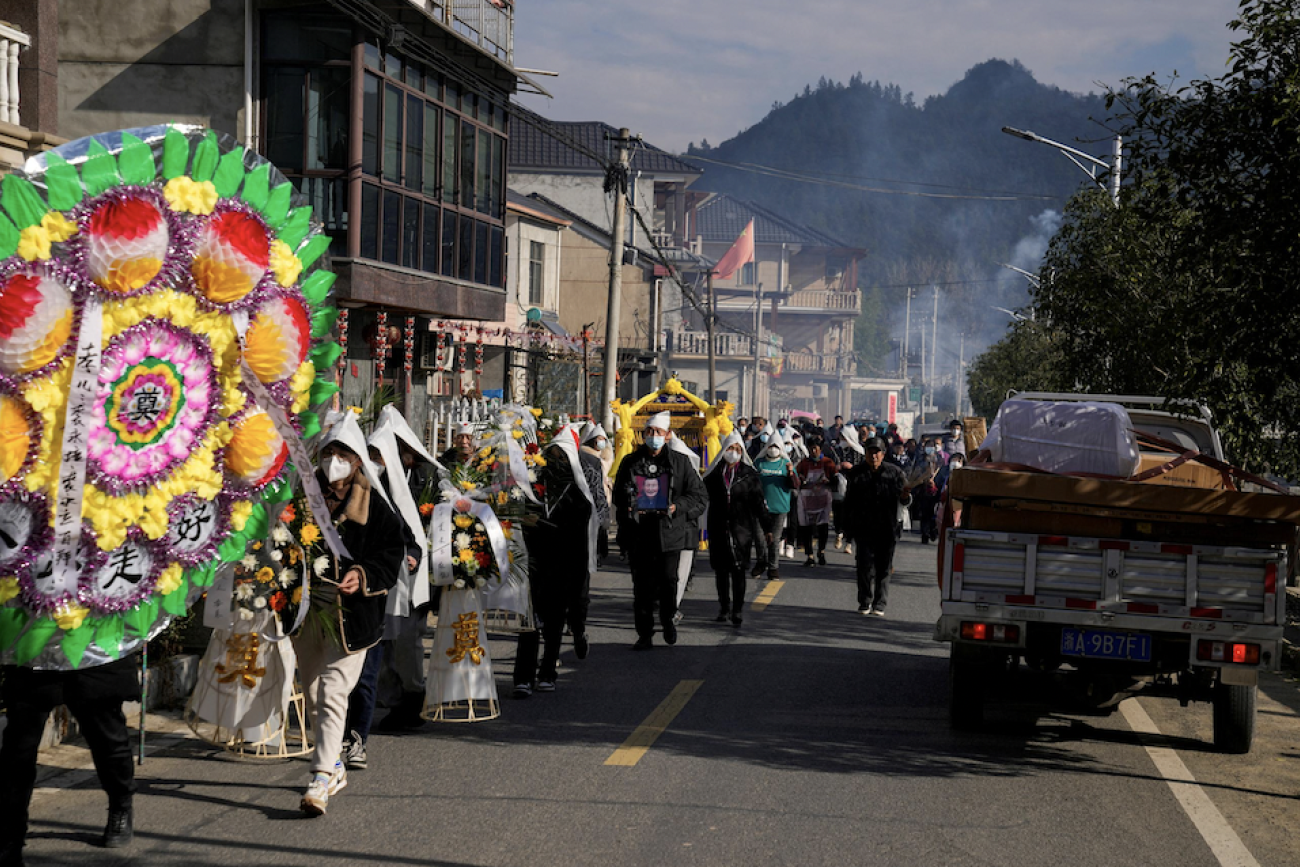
320 565
478 527
276 555
532 475
516 494
280 535
259 603
245 614
249 563
462 540
285 577
460 584
244 592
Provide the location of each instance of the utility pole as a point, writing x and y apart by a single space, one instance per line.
713 351
925 384
758 339
616 182
961 366
934 338
907 332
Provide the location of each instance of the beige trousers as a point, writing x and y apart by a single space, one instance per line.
328 676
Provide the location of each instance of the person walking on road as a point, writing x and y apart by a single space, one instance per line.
94 695
657 493
737 515
875 489
816 480
780 484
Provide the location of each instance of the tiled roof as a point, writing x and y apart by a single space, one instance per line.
531 148
723 218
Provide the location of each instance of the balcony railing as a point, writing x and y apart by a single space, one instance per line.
489 24
797 362
725 345
12 41
815 301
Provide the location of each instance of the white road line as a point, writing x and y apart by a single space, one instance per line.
1218 834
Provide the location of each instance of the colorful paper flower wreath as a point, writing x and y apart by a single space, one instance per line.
201 264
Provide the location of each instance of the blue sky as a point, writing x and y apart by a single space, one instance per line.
685 70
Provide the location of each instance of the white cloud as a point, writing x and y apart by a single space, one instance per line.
683 70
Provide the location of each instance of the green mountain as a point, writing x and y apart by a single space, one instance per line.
867 135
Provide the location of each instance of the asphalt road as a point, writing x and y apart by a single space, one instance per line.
811 735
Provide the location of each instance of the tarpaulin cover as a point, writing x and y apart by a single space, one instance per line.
1064 437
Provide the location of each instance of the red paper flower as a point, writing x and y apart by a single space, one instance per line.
127 218
245 234
18 300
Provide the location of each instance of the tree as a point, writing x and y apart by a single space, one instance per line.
1191 289
1027 359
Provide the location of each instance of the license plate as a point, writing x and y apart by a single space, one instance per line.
1098 644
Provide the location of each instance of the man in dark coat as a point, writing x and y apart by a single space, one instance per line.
657 494
737 513
875 488
561 558
94 696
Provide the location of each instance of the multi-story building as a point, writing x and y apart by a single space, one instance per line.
29 67
558 168
799 297
390 116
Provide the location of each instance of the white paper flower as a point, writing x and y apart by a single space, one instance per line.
320 565
478 526
285 577
249 563
280 535
259 603
516 494
276 555
462 540
244 592
532 475
245 614
460 584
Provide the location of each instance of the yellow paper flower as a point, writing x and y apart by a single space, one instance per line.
464 522
34 243
517 434
284 264
537 413
265 575
8 589
239 513
69 616
467 486
170 579
310 534
186 194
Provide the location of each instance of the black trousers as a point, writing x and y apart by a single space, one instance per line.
557 601
875 560
731 590
654 585
806 534
94 697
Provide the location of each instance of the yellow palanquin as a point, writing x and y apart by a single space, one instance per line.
698 424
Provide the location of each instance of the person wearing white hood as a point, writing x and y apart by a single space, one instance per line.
657 495
462 446
595 445
737 520
561 558
780 484
351 591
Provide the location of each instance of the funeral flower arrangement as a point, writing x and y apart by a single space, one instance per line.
164 325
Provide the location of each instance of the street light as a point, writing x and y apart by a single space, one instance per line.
1073 155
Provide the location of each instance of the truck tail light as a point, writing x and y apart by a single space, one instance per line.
1228 651
959 557
1270 578
998 632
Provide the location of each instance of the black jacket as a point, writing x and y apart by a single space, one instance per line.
872 499
559 540
372 533
735 516
657 533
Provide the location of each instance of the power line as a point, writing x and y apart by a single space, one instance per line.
784 174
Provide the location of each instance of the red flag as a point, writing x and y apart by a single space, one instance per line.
741 252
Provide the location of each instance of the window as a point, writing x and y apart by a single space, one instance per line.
536 273
432 151
747 277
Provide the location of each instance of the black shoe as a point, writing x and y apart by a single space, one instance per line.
821 559
810 562
643 644
670 634
406 715
120 830
581 646
773 575
736 619
722 616
757 570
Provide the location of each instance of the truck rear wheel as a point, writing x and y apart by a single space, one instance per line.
966 687
1234 717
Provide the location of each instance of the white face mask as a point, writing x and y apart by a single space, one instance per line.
774 452
337 469
654 442
731 456
600 444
